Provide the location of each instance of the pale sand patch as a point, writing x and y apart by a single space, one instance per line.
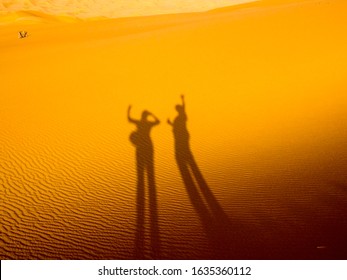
266 101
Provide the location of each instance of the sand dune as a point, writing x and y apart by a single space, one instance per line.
33 17
265 89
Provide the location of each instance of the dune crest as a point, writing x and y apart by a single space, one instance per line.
114 9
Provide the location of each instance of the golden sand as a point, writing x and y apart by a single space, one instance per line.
265 90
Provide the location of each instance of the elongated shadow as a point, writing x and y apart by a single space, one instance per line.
212 216
142 141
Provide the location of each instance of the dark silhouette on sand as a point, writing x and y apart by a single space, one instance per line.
213 218
23 34
145 165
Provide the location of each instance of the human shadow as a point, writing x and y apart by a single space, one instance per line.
213 218
141 139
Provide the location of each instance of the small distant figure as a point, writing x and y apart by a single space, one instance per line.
23 34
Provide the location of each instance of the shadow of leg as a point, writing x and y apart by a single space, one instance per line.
216 209
140 211
154 226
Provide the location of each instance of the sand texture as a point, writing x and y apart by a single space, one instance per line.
255 167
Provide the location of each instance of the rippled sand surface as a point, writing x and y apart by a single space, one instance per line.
266 98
